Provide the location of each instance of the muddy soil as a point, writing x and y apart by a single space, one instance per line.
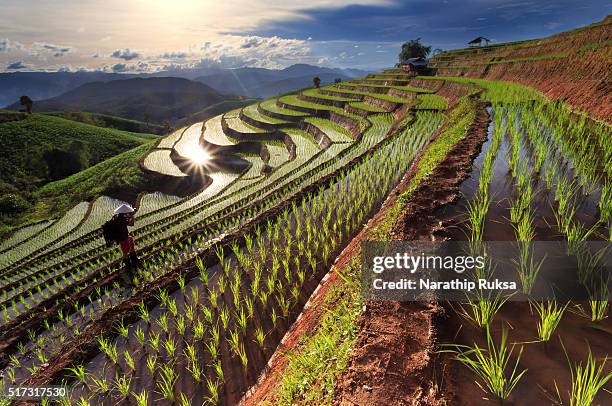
392 362
546 363
581 78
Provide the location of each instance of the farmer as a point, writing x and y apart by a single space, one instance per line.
118 232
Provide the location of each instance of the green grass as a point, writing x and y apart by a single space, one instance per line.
320 357
594 46
497 91
459 122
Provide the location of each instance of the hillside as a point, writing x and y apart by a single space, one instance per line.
43 85
257 82
151 100
573 65
119 176
117 123
259 273
41 148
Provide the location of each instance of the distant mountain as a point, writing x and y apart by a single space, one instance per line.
259 82
43 85
151 100
269 89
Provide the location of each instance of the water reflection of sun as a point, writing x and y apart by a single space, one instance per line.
198 156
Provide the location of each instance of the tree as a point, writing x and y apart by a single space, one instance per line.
316 81
413 49
61 164
27 103
337 80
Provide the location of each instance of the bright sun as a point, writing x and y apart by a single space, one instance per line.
199 156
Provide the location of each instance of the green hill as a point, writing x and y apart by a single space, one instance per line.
38 149
120 172
108 121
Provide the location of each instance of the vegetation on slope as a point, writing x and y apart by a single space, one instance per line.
39 149
119 173
107 121
572 66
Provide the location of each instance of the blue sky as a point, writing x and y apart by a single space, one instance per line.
151 35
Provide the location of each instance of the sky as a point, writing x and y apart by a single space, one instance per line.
153 35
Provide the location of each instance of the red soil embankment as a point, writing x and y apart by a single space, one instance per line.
573 65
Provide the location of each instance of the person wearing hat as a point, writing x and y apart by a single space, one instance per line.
124 218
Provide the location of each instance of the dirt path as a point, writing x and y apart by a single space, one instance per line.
392 362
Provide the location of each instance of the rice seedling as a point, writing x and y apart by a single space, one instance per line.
477 212
587 380
122 385
550 313
527 266
213 390
165 385
142 398
129 361
100 385
491 365
481 309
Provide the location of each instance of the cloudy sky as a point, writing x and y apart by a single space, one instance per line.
152 35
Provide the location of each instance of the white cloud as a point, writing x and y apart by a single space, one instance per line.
43 48
125 54
174 55
7 45
269 52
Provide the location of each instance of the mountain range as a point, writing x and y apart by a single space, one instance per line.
151 100
253 82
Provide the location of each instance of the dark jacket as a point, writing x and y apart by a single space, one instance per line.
122 227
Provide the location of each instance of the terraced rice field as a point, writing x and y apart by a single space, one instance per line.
226 269
241 219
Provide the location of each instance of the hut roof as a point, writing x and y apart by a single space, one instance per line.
478 40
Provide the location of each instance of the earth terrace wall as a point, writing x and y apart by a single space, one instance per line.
278 116
320 100
578 74
380 103
272 127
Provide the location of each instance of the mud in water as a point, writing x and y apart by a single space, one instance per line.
547 363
